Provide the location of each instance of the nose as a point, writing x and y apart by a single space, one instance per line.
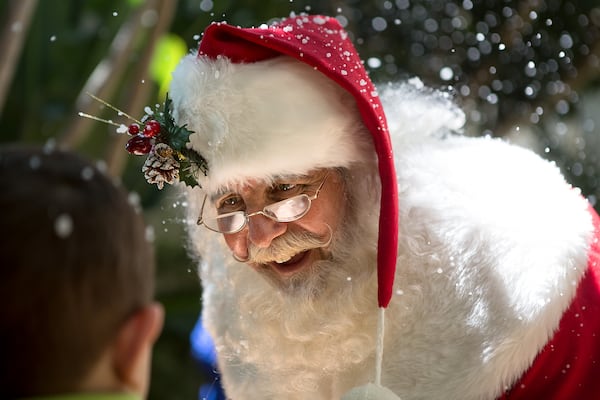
262 230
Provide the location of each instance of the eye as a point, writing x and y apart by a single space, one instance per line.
285 187
229 203
282 191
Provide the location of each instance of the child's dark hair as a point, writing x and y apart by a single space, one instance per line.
74 264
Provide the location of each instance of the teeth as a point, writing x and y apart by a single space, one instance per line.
284 259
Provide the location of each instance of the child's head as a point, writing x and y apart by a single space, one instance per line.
76 279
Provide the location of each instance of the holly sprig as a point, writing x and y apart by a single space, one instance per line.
160 127
177 137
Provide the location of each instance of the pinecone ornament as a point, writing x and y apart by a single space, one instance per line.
161 166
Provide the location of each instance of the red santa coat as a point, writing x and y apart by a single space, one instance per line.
569 365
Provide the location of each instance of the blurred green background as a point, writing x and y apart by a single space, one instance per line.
528 71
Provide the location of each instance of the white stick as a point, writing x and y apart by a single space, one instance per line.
379 346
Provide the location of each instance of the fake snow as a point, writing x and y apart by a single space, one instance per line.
101 166
63 226
87 173
206 5
134 200
379 24
446 73
319 20
149 234
374 62
35 162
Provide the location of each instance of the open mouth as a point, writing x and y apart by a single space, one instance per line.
292 265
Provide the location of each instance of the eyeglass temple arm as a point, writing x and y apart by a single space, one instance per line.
313 197
200 221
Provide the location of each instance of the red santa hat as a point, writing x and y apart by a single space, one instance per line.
257 114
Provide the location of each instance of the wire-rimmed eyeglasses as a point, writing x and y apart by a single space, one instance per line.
287 210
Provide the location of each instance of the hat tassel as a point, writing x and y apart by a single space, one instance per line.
374 391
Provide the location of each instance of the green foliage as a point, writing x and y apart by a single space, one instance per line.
135 3
168 51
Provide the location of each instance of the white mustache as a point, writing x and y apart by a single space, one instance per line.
287 246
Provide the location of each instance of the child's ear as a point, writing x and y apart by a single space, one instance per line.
133 347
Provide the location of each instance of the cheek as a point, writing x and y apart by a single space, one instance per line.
330 211
234 241
336 212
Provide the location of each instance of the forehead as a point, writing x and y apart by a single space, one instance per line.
250 186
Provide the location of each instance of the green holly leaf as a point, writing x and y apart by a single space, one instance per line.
185 175
177 137
172 134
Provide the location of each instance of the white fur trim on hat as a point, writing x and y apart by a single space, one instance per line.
264 119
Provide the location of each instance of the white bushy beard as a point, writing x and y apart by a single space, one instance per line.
327 321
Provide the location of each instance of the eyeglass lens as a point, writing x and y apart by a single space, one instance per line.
287 210
231 222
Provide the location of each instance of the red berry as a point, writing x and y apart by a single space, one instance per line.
151 128
139 145
133 129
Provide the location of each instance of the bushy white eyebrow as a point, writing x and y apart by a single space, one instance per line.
275 180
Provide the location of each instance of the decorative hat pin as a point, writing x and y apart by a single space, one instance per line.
157 135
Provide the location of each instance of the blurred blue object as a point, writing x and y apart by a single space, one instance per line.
203 352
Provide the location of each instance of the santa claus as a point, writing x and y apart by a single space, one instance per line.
304 216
